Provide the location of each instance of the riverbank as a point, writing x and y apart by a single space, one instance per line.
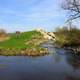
69 38
24 52
74 50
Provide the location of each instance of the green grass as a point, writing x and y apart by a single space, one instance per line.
18 43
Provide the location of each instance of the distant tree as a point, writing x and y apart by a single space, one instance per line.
73 6
3 33
68 37
18 34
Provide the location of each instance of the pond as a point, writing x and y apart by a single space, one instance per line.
58 65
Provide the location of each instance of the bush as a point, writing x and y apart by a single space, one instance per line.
68 37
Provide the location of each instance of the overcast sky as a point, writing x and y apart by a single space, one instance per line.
26 15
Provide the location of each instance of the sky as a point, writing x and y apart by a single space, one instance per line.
26 15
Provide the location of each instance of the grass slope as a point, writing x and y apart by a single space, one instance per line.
18 43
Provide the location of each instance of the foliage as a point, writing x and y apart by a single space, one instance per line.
3 33
68 37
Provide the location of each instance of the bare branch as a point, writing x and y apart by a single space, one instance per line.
73 6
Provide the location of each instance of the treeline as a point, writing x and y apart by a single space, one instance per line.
68 36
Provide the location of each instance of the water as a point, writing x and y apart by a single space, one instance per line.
58 65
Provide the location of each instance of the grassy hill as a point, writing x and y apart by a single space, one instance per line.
28 42
15 42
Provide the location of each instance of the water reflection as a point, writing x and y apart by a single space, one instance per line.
74 62
2 66
71 78
66 59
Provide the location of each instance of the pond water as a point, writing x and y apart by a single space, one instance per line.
58 65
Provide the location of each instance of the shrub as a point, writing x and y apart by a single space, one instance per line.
68 37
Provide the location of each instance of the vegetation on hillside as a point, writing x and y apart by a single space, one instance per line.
68 36
26 43
3 35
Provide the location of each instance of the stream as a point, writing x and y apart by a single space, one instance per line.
58 65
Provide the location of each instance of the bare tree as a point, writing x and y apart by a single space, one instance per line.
18 34
73 6
3 33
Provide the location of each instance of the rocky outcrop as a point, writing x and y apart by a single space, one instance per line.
24 52
74 50
46 35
